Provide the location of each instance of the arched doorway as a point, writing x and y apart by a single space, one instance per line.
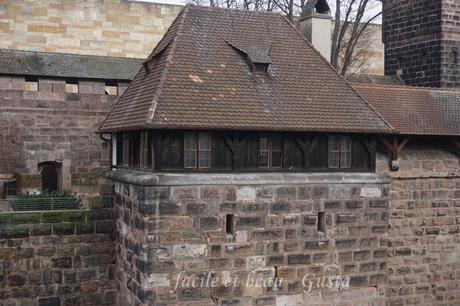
50 172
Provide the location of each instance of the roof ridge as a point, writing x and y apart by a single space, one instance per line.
169 54
340 76
408 87
71 54
215 8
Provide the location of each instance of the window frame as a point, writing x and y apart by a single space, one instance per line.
341 141
195 137
146 160
270 151
200 150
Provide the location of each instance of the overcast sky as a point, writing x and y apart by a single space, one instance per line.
375 6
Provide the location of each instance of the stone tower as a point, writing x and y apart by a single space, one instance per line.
422 41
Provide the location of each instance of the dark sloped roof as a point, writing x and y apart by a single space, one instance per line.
374 79
200 81
15 62
415 110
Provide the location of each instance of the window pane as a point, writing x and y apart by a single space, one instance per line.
205 141
205 150
189 159
333 152
345 152
205 159
189 150
189 141
263 152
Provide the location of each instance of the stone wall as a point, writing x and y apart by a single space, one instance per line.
51 125
291 227
109 27
422 38
58 258
423 265
451 43
412 38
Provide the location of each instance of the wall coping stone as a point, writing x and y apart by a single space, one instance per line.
184 179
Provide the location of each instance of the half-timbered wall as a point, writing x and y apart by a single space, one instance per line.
244 151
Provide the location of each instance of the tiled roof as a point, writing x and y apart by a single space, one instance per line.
374 79
415 110
13 62
200 81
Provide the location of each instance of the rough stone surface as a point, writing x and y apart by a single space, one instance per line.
40 264
110 27
423 266
273 235
45 126
422 38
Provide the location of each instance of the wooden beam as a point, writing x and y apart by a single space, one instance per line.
306 145
370 145
394 147
235 145
158 138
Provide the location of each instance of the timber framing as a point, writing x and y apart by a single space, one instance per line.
393 145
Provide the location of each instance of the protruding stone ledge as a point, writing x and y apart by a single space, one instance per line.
184 179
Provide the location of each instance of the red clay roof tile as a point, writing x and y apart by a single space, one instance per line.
201 82
415 110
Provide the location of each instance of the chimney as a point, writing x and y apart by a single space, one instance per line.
316 25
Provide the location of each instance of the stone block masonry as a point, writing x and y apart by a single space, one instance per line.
298 228
53 126
423 266
422 41
110 27
58 258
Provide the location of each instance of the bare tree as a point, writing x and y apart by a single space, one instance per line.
352 18
349 30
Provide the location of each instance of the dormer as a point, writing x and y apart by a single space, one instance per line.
257 58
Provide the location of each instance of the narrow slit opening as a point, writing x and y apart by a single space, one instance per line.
322 222
229 225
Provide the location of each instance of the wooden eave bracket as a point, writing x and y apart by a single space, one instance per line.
394 145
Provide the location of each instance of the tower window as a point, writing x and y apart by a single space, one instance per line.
270 151
339 152
197 150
